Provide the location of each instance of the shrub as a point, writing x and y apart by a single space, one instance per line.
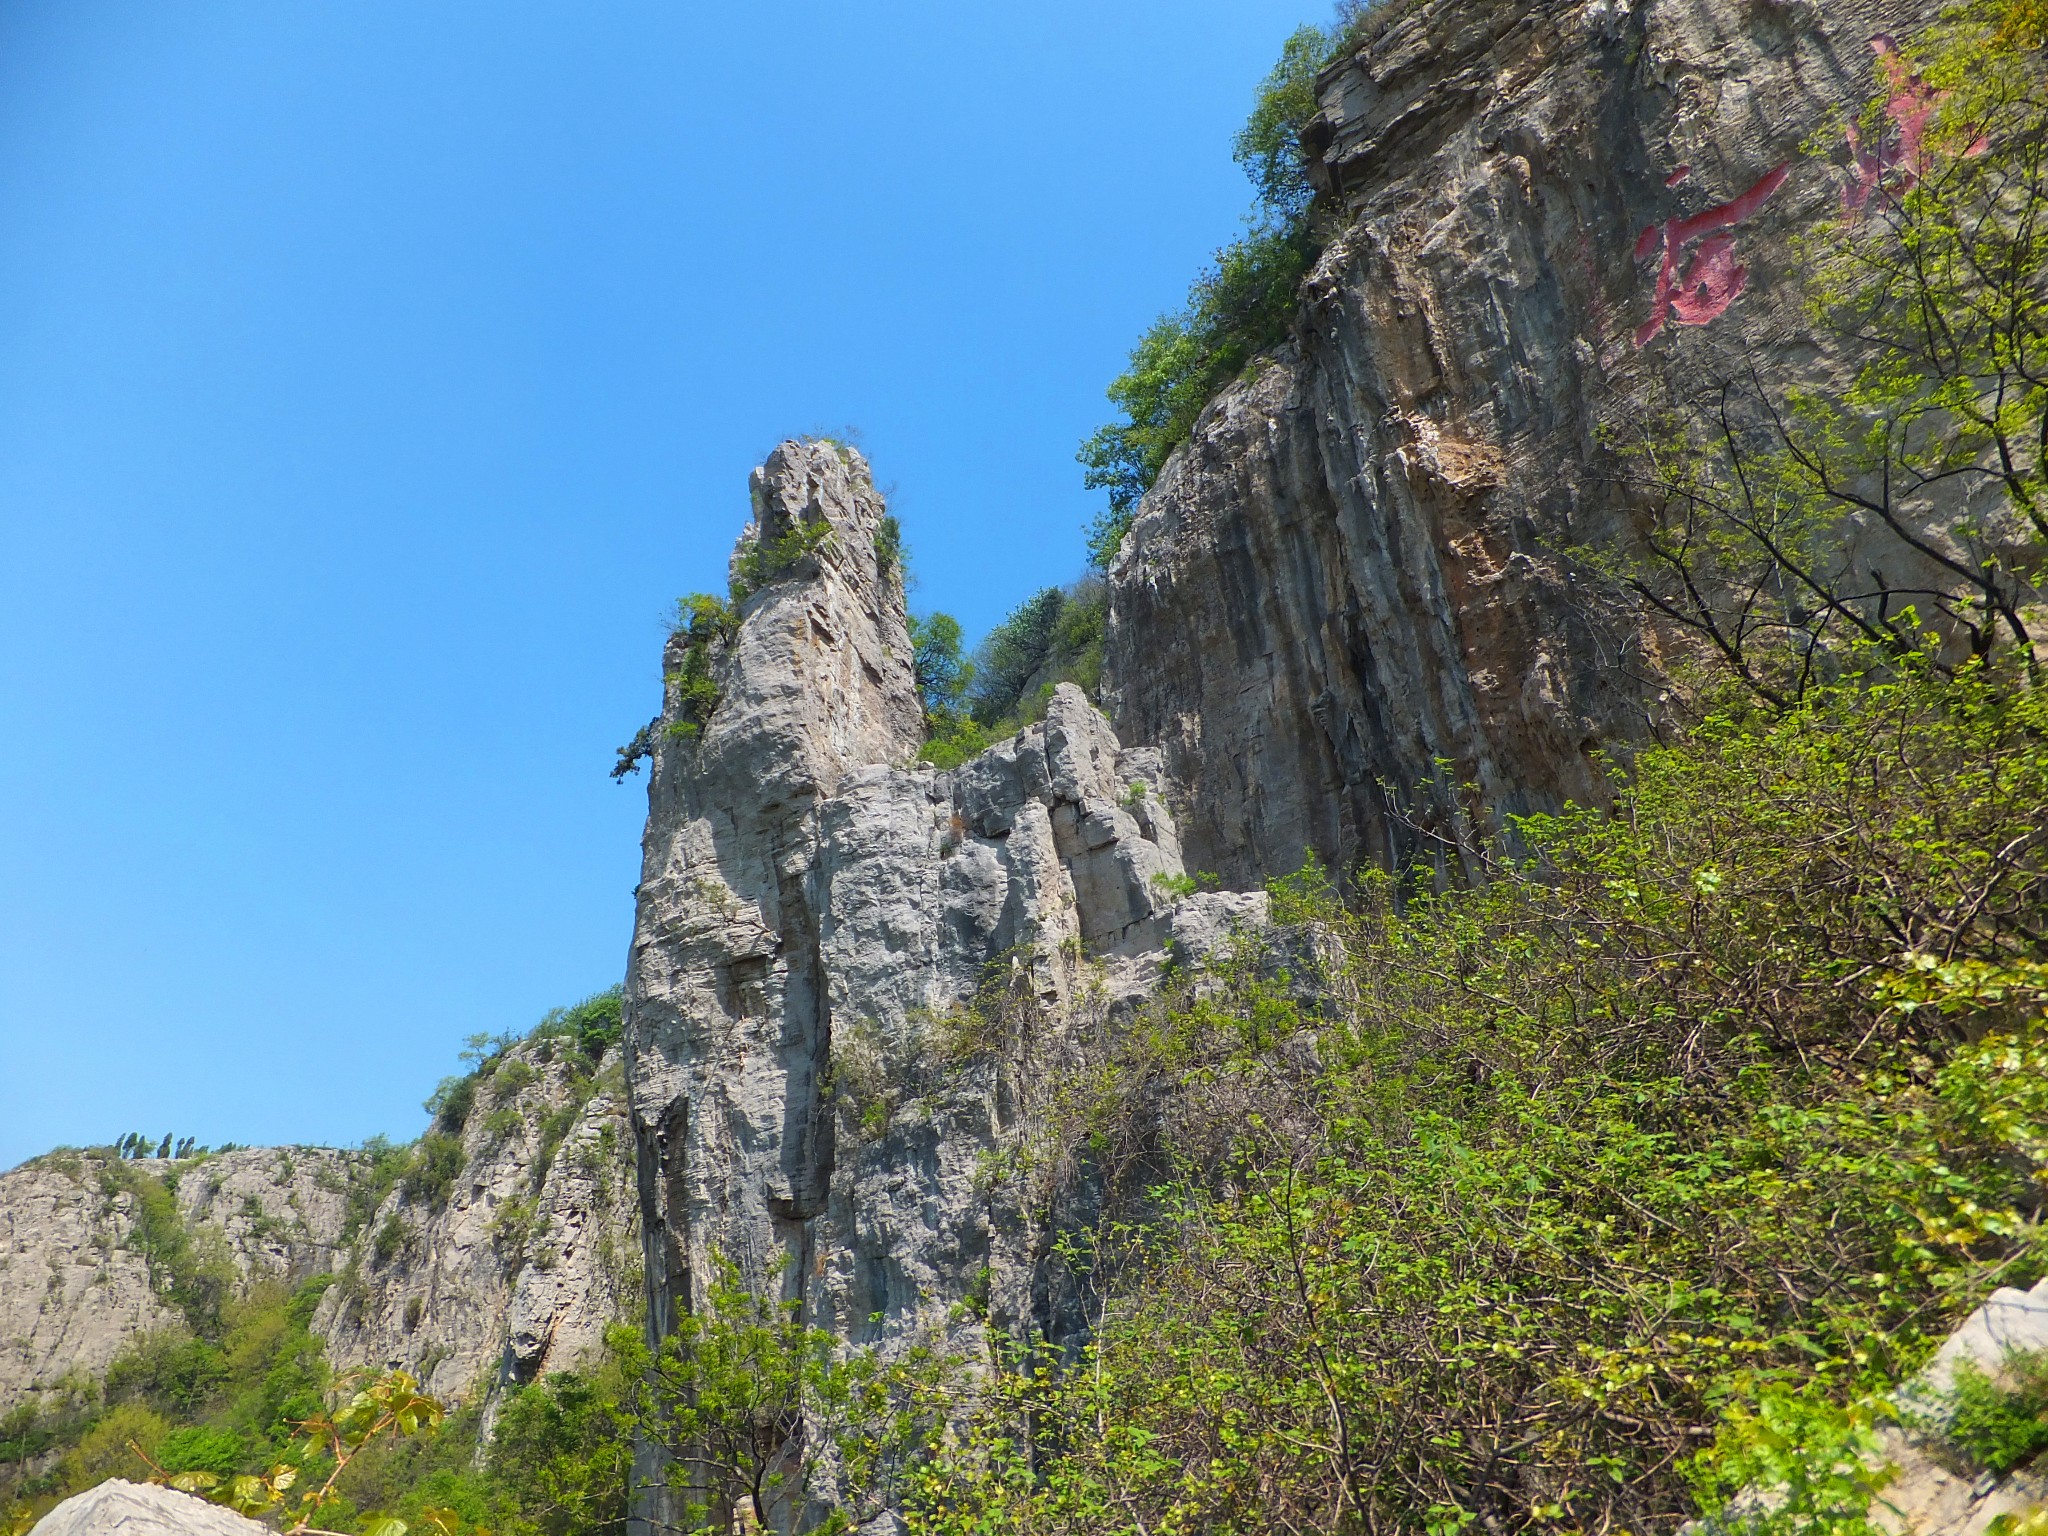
172 1371
200 1449
1998 1427
390 1238
1242 305
594 1025
436 1164
1493 1204
762 562
1053 637
452 1101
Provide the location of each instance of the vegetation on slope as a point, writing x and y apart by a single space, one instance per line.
224 1392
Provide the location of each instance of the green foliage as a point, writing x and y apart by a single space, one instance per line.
942 669
1239 307
436 1163
754 1406
564 1445
512 1078
1580 1200
944 675
953 740
201 1449
1794 1464
1054 637
1998 1426
191 1271
594 1025
762 562
451 1102
390 1238
1269 145
891 555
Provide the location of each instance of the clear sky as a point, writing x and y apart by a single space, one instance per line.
373 376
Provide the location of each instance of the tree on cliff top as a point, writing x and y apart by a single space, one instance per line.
1239 306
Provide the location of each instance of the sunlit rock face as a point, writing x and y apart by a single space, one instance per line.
814 910
1349 614
512 1268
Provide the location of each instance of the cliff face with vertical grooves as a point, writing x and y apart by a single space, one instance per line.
1353 591
1347 622
813 910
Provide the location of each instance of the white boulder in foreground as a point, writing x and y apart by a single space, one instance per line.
117 1508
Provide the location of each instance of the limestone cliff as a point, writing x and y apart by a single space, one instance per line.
508 1261
1353 592
78 1279
815 908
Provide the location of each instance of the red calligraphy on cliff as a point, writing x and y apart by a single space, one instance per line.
1899 157
1694 291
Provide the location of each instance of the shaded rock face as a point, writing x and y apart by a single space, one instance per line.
515 1271
75 1287
1351 593
814 908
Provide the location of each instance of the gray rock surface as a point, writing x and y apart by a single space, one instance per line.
1351 593
816 913
74 1286
517 1272
523 1265
119 1508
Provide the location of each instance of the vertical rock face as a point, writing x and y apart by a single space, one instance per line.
1351 593
815 907
516 1266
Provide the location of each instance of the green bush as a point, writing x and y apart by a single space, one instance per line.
1496 1204
765 561
201 1449
437 1162
390 1238
594 1025
452 1101
1242 305
2000 1427
1055 636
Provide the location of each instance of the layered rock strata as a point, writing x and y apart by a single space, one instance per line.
1349 614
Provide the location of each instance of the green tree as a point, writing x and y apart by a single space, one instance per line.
1241 305
760 1411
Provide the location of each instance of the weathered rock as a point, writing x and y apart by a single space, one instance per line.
74 1285
524 1262
118 1508
815 910
514 1271
1352 593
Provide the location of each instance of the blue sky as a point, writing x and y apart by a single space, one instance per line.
373 376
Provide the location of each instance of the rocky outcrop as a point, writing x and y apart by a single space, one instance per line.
520 1262
120 1508
78 1279
508 1263
814 1083
1351 596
